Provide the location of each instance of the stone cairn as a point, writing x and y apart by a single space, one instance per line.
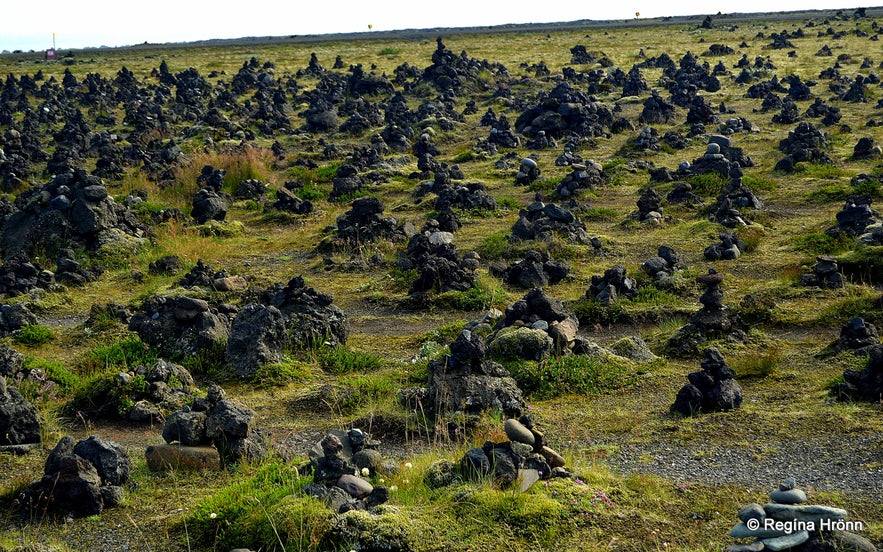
584 176
614 284
541 221
729 247
711 389
856 218
534 327
209 433
825 274
536 270
466 381
528 172
82 478
856 335
713 321
649 208
19 422
663 266
341 463
865 384
787 523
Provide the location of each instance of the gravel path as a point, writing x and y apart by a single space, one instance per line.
852 464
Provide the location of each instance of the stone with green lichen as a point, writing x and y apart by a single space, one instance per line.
520 342
383 528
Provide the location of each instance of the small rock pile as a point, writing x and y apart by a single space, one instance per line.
216 421
182 325
82 478
729 247
14 317
649 207
163 388
663 266
614 284
855 217
787 523
536 270
287 201
312 318
533 328
825 274
585 176
805 143
712 389
865 384
856 335
713 321
865 149
682 192
466 381
434 256
364 223
19 421
528 172
209 204
735 195
205 277
70 272
18 276
524 459
338 462
541 221
647 139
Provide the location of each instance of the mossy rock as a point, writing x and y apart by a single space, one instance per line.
520 342
225 229
384 528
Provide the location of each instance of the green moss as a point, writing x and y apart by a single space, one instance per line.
33 335
575 374
340 360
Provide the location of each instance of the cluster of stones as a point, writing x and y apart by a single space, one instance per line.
856 219
711 389
287 200
564 111
14 317
856 335
523 460
288 316
734 196
584 176
528 172
73 208
536 270
439 269
364 223
720 156
649 207
728 248
713 321
607 289
182 325
211 432
205 277
865 384
70 272
19 421
681 192
81 478
541 221
18 276
534 327
663 266
467 382
168 386
341 464
647 139
805 143
865 149
787 523
825 274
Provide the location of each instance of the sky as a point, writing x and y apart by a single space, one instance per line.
28 25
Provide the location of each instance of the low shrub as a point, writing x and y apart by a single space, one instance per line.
574 374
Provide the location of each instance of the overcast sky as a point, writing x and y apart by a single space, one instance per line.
28 25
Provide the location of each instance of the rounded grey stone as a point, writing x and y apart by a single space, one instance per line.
516 431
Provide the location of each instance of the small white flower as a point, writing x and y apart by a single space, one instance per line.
366 472
408 465
393 489
212 515
381 481
405 481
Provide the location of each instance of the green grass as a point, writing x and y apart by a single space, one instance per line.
340 360
574 374
33 335
821 243
124 355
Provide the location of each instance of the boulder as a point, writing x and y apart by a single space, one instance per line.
257 337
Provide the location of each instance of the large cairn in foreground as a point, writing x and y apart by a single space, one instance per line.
713 321
711 389
787 523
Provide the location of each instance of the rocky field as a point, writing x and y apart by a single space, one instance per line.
594 287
